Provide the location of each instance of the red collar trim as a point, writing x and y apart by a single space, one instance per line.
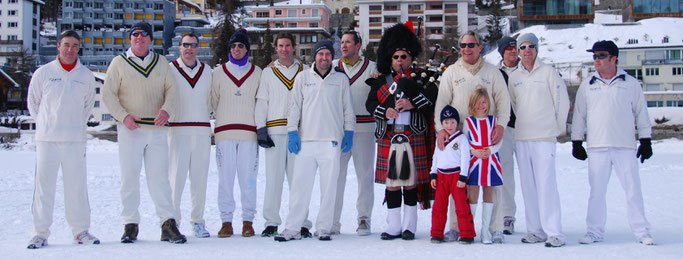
241 80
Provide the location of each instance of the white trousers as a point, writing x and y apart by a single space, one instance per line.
279 162
314 156
189 153
237 157
152 146
625 164
536 162
71 157
363 153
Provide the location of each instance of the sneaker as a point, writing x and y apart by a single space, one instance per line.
508 225
170 232
407 235
531 238
323 236
226 230
436 240
37 242
451 236
363 228
288 235
305 233
387 236
466 240
554 241
645 240
589 238
269 231
130 233
200 230
247 229
498 237
86 238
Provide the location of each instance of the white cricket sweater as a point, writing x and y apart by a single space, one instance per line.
357 74
233 98
541 103
321 109
60 101
272 98
610 111
455 154
191 116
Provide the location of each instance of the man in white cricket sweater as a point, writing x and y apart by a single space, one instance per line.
189 135
60 98
610 108
358 69
233 98
322 112
140 91
272 100
539 96
457 84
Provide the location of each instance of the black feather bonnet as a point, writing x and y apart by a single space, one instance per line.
398 37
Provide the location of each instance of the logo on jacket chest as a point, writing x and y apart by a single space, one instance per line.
459 81
53 79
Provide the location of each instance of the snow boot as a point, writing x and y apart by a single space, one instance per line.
269 231
170 232
409 222
226 230
393 229
486 237
130 233
247 229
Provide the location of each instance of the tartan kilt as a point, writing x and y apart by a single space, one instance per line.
420 157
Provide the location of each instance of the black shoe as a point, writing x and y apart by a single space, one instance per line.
269 231
170 232
305 233
407 235
437 240
130 233
466 240
387 236
324 238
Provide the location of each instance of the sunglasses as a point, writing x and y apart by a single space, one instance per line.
600 56
138 33
190 45
531 46
401 57
511 47
469 45
237 45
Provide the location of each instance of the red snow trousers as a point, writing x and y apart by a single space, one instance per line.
446 185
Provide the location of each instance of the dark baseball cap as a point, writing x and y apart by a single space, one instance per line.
605 45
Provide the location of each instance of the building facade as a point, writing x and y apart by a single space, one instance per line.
439 18
659 68
19 28
103 26
642 9
197 26
536 12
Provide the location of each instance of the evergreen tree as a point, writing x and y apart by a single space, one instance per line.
449 40
51 10
493 22
369 53
224 29
266 50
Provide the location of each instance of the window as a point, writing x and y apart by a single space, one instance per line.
306 52
308 38
12 37
78 5
118 16
129 5
374 19
313 25
415 7
434 18
99 5
674 103
97 104
12 24
291 25
651 87
88 4
390 19
35 21
678 87
11 12
34 46
434 6
88 15
677 71
652 71
303 11
435 31
139 5
262 15
673 54
109 5
34 34
158 6
13 1
99 15
655 104
637 73
375 8
68 15
109 15
291 13
278 12
67 4
106 117
391 7
118 5
97 90
314 12
451 7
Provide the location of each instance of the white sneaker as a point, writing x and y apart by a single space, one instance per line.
531 238
200 231
589 238
288 235
451 236
37 242
363 228
508 225
86 238
554 241
498 237
647 240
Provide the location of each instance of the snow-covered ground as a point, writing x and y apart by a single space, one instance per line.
661 177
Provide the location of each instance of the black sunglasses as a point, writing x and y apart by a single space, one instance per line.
190 45
237 45
401 56
531 46
469 45
138 33
600 56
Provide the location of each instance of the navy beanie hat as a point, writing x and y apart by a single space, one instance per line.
449 112
142 26
241 37
323 44
503 43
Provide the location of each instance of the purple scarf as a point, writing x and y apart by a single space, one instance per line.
240 62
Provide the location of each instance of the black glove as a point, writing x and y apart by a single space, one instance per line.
263 138
645 149
409 87
578 151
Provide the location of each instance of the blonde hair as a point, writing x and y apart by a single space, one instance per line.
478 93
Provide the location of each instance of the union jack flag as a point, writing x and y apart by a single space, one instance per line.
483 172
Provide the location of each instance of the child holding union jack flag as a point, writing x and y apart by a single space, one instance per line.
485 169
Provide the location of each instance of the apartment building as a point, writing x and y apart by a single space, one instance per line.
308 22
659 67
103 26
19 28
439 17
198 26
537 12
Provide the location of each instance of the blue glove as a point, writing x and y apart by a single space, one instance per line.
347 142
294 144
